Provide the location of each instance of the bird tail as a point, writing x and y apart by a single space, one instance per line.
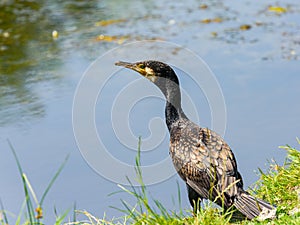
252 207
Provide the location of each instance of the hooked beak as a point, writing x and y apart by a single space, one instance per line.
133 66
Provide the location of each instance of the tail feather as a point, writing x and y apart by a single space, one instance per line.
252 207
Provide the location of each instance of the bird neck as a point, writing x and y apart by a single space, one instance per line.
171 90
173 110
173 114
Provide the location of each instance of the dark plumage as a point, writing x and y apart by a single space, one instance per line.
201 157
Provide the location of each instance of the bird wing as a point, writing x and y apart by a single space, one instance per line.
219 164
207 164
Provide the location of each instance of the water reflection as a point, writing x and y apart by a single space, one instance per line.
30 57
23 46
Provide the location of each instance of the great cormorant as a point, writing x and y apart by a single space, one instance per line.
201 157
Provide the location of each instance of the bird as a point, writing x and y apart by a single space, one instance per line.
201 157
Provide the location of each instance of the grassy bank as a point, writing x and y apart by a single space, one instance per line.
280 185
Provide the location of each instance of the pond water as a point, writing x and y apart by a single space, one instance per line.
252 47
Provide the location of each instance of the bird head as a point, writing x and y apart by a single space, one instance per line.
155 71
164 77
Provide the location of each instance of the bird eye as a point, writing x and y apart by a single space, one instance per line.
142 66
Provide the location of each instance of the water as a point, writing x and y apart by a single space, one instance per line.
256 69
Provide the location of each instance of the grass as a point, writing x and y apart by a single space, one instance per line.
32 208
280 185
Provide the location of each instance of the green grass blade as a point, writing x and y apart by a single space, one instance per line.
3 212
16 157
115 192
132 186
179 199
129 210
30 189
74 212
119 209
30 209
53 179
55 211
162 209
18 221
60 219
